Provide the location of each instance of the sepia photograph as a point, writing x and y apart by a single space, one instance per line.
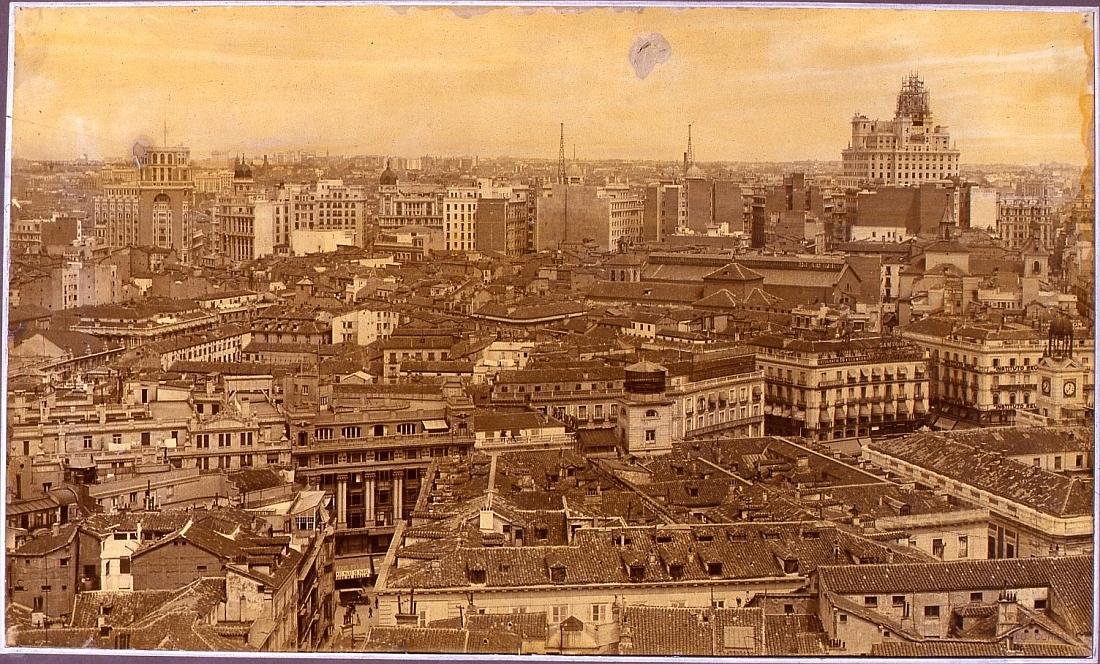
727 331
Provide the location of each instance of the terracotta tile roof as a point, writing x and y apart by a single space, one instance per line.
202 536
565 376
231 368
47 541
963 459
1059 574
527 312
674 293
150 620
744 551
256 478
155 522
527 625
76 343
1020 440
440 640
720 299
793 634
492 421
27 312
957 649
692 631
120 608
734 272
937 327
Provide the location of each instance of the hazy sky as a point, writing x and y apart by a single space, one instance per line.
758 84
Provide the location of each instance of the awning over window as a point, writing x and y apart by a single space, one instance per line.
436 425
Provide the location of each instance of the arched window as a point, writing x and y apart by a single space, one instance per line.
651 413
1035 268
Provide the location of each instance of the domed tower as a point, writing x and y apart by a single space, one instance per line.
243 183
694 173
644 423
388 177
241 170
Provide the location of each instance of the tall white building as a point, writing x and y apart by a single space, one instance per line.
910 149
460 212
149 208
254 224
339 206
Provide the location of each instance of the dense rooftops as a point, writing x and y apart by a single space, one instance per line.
961 457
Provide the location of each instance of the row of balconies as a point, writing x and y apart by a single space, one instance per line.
860 404
887 399
550 395
870 398
373 442
851 410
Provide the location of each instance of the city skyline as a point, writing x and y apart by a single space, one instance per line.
81 89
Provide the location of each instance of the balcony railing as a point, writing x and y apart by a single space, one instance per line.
371 442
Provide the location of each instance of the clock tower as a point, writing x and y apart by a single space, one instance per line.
1061 378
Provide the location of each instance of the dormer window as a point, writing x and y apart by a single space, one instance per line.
714 568
557 573
703 537
541 533
477 576
664 538
637 571
676 571
790 565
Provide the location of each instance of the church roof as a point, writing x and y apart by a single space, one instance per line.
735 272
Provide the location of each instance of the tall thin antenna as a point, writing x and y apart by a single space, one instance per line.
561 156
691 150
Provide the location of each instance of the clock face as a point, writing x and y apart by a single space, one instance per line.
1046 386
1069 388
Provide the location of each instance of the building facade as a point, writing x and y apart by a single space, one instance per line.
842 388
910 149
